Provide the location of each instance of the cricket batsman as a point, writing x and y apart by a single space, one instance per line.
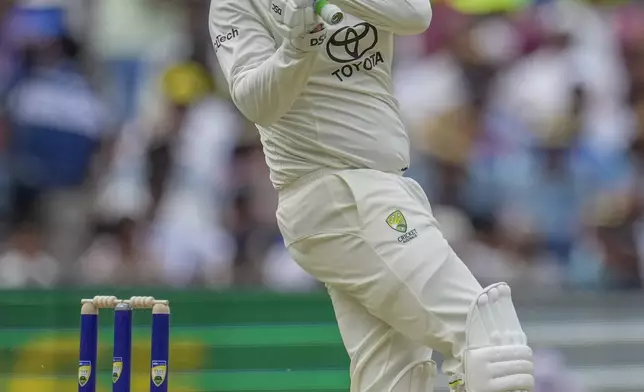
322 98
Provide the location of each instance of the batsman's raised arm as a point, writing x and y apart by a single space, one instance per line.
265 73
402 17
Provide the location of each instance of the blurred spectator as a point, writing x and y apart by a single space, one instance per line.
252 240
115 256
134 40
552 194
7 55
26 263
57 126
513 257
449 140
485 255
613 220
252 215
172 171
434 84
5 176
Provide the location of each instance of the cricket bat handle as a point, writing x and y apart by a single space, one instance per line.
331 14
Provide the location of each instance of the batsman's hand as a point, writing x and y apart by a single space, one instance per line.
299 23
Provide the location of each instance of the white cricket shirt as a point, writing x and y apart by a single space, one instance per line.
333 108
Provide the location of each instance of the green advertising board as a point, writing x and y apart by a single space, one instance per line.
219 342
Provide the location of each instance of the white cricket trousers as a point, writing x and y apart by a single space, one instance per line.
397 287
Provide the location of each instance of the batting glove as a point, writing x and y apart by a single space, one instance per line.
299 23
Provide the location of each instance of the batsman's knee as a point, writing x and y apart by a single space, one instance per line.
497 356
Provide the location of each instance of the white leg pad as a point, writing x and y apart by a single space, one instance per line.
497 357
417 377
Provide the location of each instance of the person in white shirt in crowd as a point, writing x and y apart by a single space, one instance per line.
172 172
26 263
115 258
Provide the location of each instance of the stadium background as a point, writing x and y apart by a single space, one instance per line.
123 164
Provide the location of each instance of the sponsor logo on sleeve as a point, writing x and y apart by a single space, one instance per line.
221 39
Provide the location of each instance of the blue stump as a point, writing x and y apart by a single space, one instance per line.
88 349
122 358
160 349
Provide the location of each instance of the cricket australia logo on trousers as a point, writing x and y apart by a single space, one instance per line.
396 220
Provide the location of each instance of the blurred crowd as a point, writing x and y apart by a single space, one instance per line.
123 161
529 131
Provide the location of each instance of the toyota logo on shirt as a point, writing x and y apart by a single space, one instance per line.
350 43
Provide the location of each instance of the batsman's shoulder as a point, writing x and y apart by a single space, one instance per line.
223 8
226 15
